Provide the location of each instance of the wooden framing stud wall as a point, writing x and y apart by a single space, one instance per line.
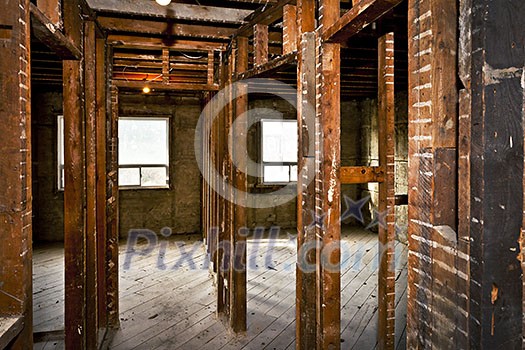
387 235
15 169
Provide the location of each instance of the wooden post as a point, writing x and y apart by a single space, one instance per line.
112 243
386 136
101 136
306 296
211 63
15 169
260 43
238 239
74 188
328 102
290 36
497 172
52 9
91 185
165 66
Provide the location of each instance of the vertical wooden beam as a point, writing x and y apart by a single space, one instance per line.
15 169
290 36
306 296
91 185
306 18
101 136
260 43
74 188
497 169
240 154
165 65
112 243
211 62
329 104
386 136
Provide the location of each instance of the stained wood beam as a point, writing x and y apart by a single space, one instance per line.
168 86
50 36
52 10
177 11
270 68
387 235
176 44
357 18
10 327
266 16
362 174
260 44
290 34
126 25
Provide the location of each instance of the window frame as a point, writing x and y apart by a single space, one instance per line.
290 165
140 167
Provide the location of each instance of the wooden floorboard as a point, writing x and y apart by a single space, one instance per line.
167 301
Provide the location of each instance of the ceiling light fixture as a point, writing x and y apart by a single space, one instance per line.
163 2
146 90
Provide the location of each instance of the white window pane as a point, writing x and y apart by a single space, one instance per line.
154 177
279 140
293 173
143 141
276 173
129 177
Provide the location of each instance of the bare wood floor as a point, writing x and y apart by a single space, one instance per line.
167 297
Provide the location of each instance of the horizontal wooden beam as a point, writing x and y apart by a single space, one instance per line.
165 86
358 17
10 327
362 174
270 67
175 10
266 16
114 24
50 36
145 42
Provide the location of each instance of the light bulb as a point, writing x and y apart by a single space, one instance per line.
146 90
163 2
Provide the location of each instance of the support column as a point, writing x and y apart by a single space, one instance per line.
15 169
240 154
387 235
75 187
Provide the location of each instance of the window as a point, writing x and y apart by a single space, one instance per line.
279 150
143 152
60 149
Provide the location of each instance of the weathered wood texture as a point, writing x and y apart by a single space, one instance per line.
306 295
358 17
238 143
497 54
49 35
438 274
260 44
101 178
52 9
15 169
265 16
91 184
290 37
362 174
75 186
328 101
112 239
387 234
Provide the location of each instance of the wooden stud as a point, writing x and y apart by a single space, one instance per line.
306 17
497 171
91 185
211 65
101 136
165 66
260 43
386 136
267 15
16 302
362 174
306 296
329 254
112 244
74 189
52 9
290 36
240 154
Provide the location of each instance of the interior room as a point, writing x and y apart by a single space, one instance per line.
262 174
